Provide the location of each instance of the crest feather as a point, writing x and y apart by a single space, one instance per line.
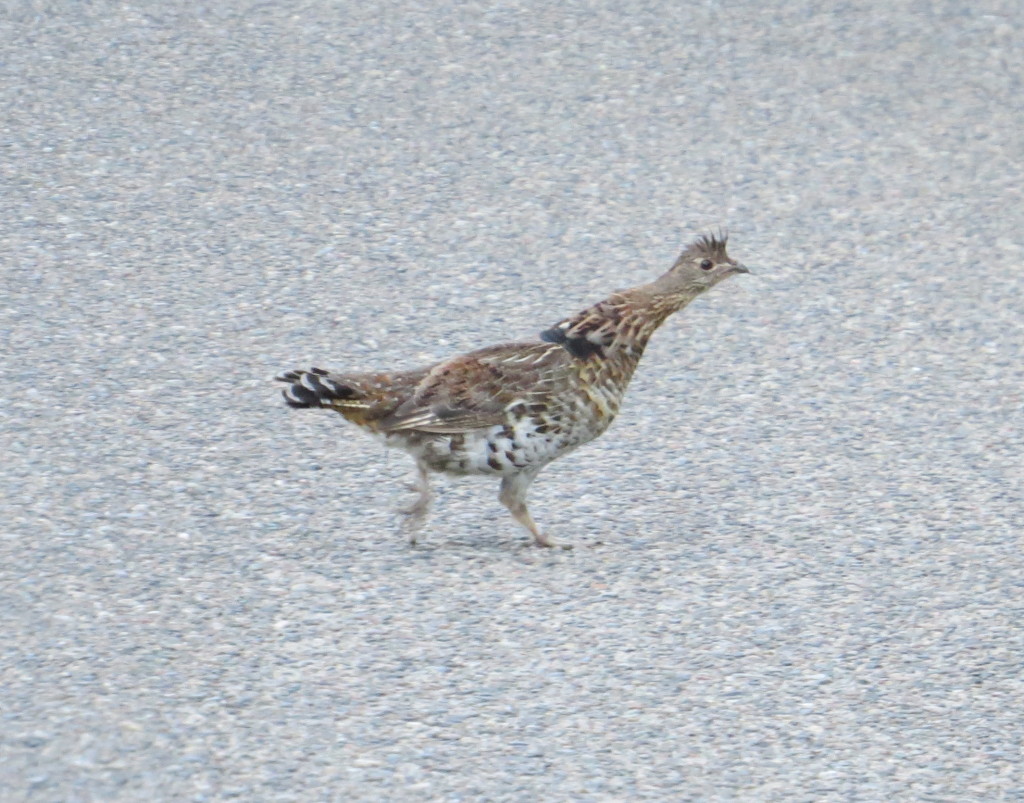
709 245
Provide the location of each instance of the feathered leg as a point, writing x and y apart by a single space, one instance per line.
513 496
416 512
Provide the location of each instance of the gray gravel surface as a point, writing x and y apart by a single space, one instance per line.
798 572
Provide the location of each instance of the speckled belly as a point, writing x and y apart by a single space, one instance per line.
520 445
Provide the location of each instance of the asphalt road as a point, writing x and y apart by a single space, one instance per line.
798 571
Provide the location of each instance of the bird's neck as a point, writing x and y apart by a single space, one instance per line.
620 326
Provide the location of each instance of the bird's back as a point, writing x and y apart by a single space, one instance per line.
499 409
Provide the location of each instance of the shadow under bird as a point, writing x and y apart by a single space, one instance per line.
509 410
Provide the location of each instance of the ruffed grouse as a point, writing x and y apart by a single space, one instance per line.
511 409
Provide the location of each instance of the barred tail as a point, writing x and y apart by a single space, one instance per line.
315 388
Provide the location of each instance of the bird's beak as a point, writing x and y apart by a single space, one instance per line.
739 268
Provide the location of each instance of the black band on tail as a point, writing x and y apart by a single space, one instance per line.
313 388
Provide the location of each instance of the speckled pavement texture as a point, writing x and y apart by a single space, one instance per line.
798 572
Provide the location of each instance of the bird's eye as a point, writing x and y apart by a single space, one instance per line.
706 264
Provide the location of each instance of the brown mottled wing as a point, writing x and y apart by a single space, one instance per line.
473 391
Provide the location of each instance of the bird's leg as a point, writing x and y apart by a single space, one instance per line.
416 512
513 496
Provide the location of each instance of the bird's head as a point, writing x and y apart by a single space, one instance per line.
702 265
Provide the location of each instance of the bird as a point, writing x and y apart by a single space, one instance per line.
508 410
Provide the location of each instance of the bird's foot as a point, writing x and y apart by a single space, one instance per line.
542 541
413 517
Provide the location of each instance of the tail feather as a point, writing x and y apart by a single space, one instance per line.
315 388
